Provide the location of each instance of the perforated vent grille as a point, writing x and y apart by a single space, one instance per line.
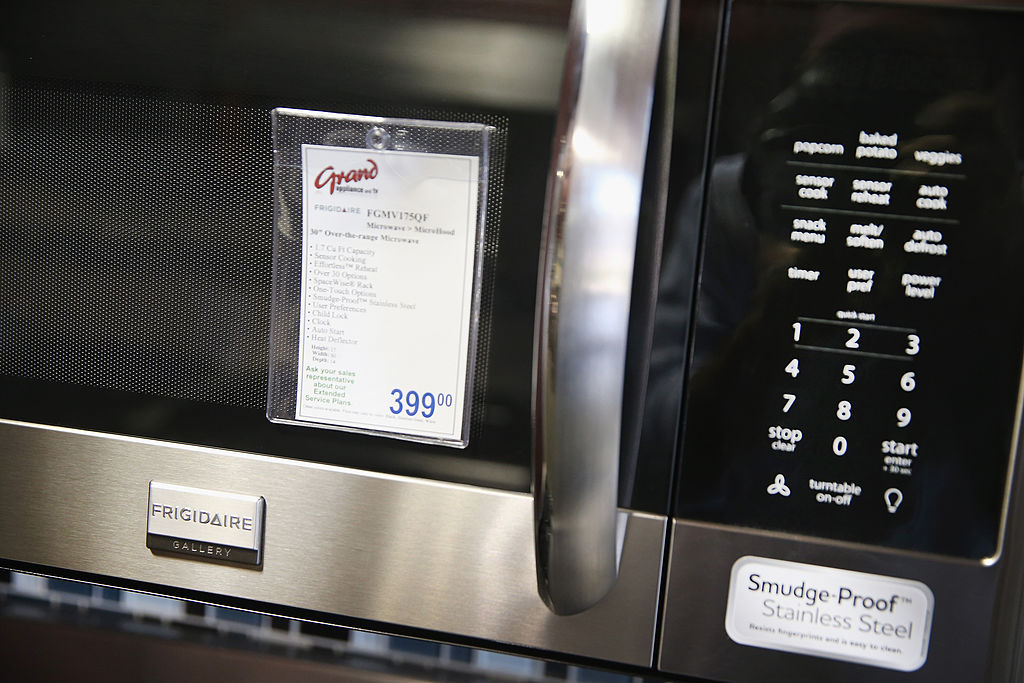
135 244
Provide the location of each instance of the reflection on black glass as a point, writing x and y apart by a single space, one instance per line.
857 332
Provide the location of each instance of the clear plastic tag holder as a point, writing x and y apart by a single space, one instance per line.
379 232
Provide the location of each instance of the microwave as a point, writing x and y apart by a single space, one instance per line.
675 338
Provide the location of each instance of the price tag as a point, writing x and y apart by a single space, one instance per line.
389 242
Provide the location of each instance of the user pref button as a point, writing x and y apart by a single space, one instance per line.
835 613
204 524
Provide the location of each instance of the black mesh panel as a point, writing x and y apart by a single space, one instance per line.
135 244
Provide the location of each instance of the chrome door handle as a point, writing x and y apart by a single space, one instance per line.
584 291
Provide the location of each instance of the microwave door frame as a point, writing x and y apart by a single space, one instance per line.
346 545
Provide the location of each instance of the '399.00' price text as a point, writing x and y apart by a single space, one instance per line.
414 403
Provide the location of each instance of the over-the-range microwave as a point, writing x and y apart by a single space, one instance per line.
682 337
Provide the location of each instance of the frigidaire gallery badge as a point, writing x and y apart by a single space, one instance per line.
210 525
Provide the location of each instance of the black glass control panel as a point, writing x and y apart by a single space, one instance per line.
858 333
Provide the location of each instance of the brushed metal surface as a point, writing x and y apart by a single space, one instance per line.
584 293
694 639
423 554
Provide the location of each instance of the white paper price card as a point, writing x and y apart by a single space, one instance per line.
389 247
834 613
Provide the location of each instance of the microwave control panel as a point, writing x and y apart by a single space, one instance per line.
858 332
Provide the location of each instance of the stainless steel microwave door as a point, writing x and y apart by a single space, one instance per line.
137 223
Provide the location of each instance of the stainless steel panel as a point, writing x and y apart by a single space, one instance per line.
424 554
695 642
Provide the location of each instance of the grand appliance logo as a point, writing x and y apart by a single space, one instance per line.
329 176
195 516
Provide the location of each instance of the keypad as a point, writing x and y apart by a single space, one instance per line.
867 392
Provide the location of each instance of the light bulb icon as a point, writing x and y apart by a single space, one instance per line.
893 498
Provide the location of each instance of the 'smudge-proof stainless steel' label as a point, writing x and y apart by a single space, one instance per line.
834 613
205 524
